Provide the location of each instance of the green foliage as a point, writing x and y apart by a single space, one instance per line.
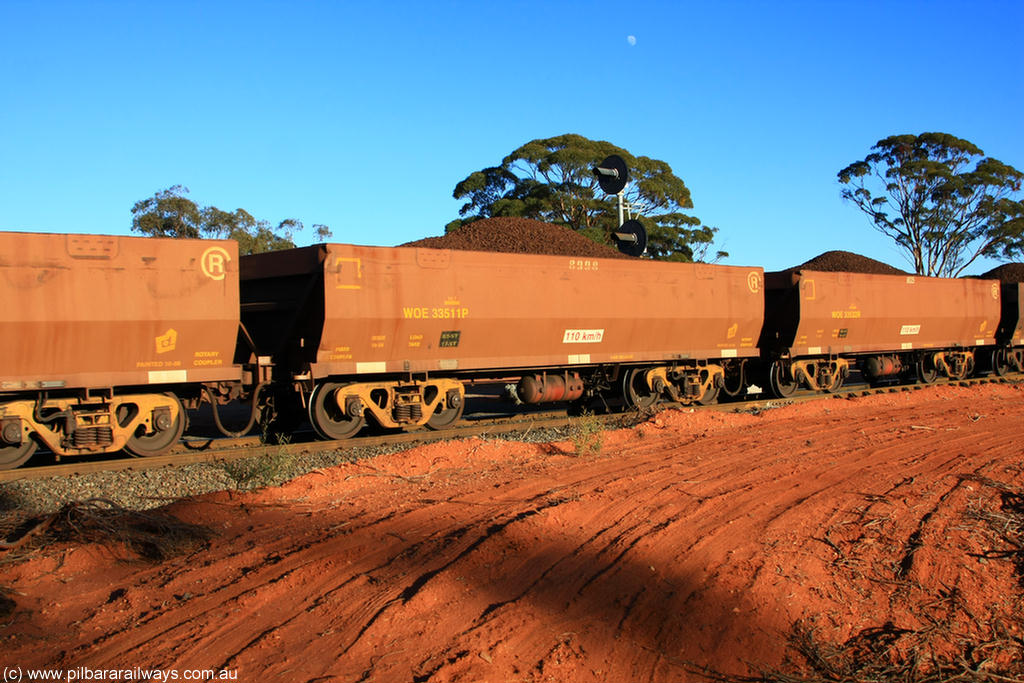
169 213
586 433
258 470
552 180
942 201
678 237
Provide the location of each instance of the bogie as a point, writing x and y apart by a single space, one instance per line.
339 410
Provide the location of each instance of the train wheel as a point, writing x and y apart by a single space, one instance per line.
837 383
445 417
926 372
16 456
959 370
709 397
781 381
1000 362
161 440
638 395
328 419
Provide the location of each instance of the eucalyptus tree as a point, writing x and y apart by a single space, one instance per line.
169 213
942 201
552 180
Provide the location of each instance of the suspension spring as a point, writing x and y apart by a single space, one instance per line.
88 437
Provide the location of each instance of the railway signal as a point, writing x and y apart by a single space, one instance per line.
631 238
613 175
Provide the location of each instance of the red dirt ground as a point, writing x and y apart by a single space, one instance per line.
693 540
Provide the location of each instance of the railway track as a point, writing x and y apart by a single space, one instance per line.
202 449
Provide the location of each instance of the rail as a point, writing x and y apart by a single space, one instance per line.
196 450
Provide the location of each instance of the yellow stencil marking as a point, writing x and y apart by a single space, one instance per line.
213 262
167 341
754 281
808 287
358 272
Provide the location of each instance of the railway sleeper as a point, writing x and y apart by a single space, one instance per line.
142 424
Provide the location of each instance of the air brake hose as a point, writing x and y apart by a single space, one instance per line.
252 414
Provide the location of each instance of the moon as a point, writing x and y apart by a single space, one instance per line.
631 40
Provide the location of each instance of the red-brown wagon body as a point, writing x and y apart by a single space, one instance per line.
99 333
1009 357
395 330
1011 327
814 312
104 311
891 324
399 310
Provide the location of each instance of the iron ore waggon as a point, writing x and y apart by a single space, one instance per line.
107 341
1009 354
103 337
818 325
392 334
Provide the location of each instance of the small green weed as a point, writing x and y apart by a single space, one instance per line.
586 433
258 470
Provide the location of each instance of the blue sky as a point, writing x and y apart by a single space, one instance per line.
365 115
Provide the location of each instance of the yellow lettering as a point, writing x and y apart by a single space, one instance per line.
416 312
435 312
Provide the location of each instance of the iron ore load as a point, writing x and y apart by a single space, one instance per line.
108 342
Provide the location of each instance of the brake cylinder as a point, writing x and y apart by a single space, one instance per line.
544 388
882 366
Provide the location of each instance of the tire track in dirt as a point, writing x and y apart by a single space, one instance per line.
632 602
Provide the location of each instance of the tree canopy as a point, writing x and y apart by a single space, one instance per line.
941 199
552 180
169 213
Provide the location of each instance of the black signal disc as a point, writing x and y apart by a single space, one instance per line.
612 183
631 238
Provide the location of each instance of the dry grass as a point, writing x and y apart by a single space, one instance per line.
151 535
938 650
888 653
1005 524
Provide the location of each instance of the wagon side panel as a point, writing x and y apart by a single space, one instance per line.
861 313
423 310
100 311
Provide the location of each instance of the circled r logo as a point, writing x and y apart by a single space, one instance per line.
754 281
214 263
